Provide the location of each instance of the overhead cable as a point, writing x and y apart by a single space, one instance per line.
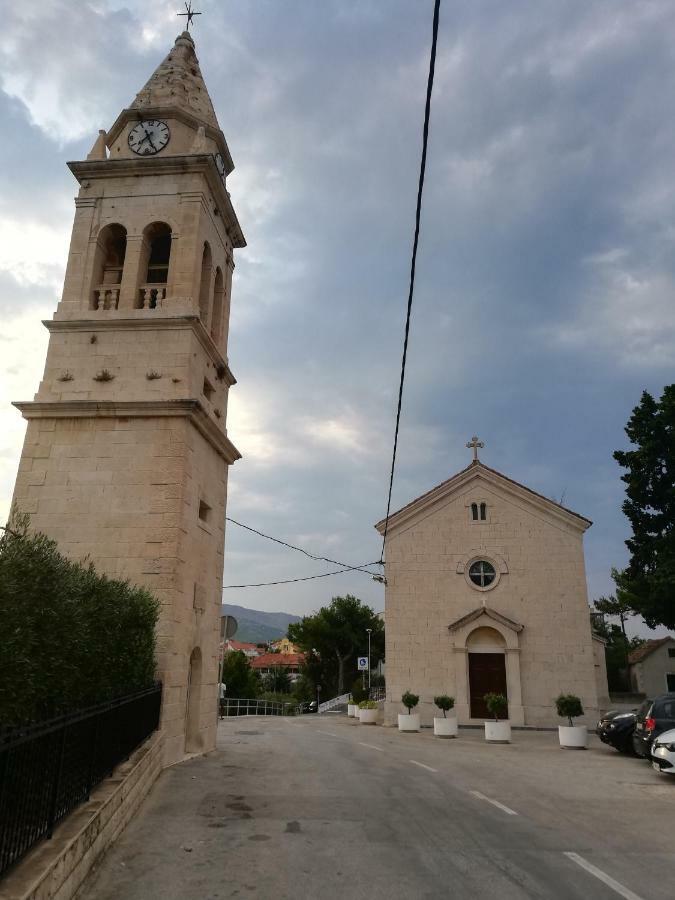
228 587
418 212
327 559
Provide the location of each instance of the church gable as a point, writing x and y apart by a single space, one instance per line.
473 491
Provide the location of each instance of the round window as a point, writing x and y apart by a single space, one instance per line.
482 573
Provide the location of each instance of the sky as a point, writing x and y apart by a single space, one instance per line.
545 288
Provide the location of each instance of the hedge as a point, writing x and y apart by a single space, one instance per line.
69 637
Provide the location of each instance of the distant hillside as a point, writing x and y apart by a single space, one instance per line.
255 625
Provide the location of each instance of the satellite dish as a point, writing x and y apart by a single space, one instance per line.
228 627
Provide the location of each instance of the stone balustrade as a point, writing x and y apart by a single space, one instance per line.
106 296
151 295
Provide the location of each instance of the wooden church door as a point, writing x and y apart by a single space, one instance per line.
487 675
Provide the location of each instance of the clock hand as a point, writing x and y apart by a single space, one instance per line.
148 138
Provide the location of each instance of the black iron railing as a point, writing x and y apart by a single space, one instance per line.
48 768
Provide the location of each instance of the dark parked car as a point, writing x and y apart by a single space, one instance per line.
309 706
616 729
653 718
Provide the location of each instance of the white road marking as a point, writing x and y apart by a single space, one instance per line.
422 766
329 733
506 809
602 876
371 746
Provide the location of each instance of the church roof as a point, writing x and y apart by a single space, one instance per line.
473 470
177 81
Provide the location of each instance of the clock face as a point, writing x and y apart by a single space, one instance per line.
149 137
220 166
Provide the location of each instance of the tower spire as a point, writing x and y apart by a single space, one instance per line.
178 82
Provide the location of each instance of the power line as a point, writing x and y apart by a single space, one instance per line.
418 212
227 587
269 537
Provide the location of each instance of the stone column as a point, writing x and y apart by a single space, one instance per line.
513 686
132 275
76 286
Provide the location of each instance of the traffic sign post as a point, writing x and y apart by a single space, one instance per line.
363 664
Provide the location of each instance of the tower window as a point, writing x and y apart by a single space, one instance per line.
483 512
474 512
111 248
158 238
204 511
205 284
208 389
218 296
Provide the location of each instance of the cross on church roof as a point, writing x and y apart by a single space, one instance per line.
474 444
189 13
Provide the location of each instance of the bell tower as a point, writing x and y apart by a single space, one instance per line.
126 453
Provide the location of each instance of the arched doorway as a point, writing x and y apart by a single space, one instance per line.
487 668
193 739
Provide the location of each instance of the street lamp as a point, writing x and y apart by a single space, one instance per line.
370 665
318 698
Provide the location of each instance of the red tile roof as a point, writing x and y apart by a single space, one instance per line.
647 649
240 645
278 660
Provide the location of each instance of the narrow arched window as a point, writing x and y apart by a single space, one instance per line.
205 285
157 251
474 512
218 296
483 511
111 248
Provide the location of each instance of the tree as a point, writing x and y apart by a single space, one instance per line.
334 637
238 677
617 649
647 585
278 681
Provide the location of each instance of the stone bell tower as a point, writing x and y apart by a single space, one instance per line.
126 454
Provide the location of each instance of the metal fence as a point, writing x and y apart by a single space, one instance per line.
235 707
49 768
377 693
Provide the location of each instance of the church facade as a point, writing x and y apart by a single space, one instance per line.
126 453
486 592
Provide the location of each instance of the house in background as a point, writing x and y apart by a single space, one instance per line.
289 662
283 645
251 651
652 667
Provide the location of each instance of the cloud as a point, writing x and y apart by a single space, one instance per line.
545 272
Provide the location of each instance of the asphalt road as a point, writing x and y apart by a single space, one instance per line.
317 807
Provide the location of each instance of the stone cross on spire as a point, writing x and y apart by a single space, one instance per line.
474 444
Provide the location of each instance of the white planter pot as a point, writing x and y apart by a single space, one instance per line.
498 732
573 737
352 709
368 716
444 727
408 722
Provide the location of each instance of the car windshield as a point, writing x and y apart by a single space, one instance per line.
644 708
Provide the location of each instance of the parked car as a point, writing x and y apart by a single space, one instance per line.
616 729
653 718
663 752
309 706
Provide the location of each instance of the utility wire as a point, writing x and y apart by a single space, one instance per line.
335 562
227 587
418 212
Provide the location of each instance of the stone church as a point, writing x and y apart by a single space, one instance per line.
486 592
126 453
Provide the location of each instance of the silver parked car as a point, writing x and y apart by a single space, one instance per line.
663 752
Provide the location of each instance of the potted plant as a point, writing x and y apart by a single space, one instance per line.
352 706
444 727
497 732
410 722
571 737
368 712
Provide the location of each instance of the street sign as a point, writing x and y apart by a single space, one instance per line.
228 627
363 664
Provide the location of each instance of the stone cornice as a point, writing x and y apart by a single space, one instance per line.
491 614
92 409
137 114
203 163
149 323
